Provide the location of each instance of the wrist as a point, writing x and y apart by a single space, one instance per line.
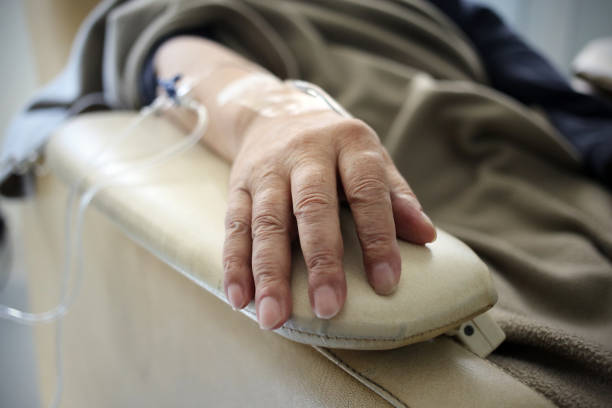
287 126
272 107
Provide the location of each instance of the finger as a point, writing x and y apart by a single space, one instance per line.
363 176
238 280
411 223
315 206
271 257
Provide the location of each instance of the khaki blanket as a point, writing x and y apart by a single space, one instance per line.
489 170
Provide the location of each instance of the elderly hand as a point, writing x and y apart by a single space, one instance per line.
289 170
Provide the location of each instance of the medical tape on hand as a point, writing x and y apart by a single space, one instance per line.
269 97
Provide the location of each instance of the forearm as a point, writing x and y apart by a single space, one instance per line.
227 84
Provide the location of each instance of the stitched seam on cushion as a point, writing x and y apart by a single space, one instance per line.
201 283
368 379
389 339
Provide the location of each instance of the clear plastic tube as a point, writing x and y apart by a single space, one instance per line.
68 296
162 102
73 228
20 316
317 92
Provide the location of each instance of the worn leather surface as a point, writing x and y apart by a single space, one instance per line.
176 211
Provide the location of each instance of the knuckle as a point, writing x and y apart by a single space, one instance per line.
269 172
376 242
398 182
266 224
266 276
311 202
356 128
233 264
403 189
236 225
238 187
305 140
371 158
323 262
386 157
345 129
366 190
266 178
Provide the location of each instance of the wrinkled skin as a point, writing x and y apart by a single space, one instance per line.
288 174
290 171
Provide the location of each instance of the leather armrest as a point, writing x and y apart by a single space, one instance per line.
176 211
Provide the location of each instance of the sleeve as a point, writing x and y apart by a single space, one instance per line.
148 78
516 69
136 29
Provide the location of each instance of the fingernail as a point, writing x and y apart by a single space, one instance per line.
427 220
326 304
268 313
235 295
383 279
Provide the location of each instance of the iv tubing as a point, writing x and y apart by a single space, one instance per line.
68 297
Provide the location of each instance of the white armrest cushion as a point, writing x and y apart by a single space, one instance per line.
176 211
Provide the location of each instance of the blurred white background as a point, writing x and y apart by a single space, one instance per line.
18 381
558 28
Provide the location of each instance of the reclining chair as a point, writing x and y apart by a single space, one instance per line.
150 325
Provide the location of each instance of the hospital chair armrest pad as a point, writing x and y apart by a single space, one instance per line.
176 211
